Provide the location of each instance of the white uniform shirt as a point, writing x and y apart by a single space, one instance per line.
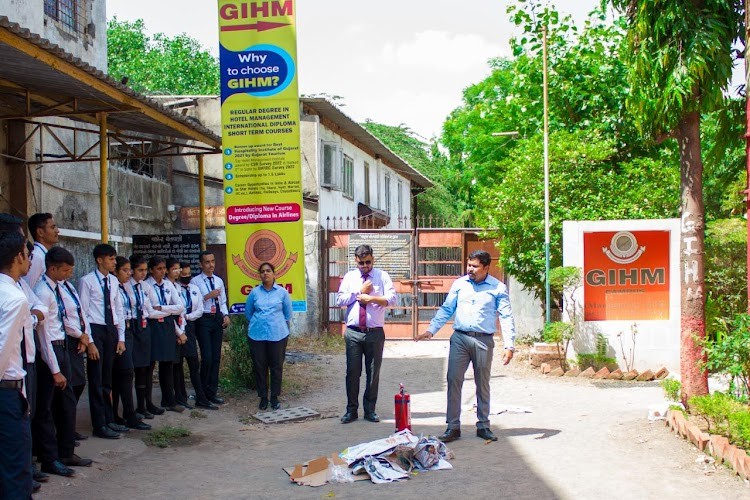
14 315
196 299
91 291
31 320
38 266
75 317
52 328
203 283
140 297
170 303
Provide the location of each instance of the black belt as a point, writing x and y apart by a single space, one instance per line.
365 329
58 343
473 334
11 384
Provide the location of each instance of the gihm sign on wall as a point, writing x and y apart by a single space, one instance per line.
626 275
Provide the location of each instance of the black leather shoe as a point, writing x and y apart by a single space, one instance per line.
106 433
146 414
217 400
450 435
208 405
486 434
275 405
119 421
117 427
185 405
81 437
349 417
175 408
35 485
40 476
76 461
263 405
372 417
155 410
138 425
57 468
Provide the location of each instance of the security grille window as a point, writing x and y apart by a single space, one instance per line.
132 158
387 188
329 175
367 183
400 198
347 176
378 189
70 14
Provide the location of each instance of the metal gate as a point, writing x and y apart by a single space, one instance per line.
422 262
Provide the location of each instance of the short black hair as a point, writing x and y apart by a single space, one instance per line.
171 261
9 222
136 260
362 251
38 221
482 256
104 250
273 268
204 252
11 244
155 261
184 264
121 261
57 256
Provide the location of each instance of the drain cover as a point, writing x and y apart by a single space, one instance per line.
286 415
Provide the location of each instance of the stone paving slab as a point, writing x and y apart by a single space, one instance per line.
286 415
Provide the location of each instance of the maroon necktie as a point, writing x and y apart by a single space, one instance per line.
363 307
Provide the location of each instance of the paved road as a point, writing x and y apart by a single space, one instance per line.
583 440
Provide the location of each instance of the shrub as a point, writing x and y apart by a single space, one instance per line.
237 364
559 333
739 428
726 272
729 353
596 361
672 389
716 409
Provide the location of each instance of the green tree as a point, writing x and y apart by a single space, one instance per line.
679 57
158 63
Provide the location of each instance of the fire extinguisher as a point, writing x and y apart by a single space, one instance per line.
402 409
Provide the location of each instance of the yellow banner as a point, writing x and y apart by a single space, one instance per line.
261 142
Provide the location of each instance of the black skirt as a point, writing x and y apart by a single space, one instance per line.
77 365
141 345
124 361
163 339
190 348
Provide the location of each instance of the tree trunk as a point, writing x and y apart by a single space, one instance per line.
693 302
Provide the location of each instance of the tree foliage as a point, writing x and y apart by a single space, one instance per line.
158 63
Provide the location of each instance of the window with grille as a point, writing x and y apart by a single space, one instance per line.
69 14
329 170
367 183
387 189
347 177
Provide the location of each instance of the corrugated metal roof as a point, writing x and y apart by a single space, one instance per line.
55 73
328 110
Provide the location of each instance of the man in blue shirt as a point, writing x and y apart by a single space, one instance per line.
476 299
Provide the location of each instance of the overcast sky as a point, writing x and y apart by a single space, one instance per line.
392 61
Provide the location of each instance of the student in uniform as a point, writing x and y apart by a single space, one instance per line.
122 375
98 293
141 338
163 307
210 327
173 275
54 425
15 425
43 229
191 297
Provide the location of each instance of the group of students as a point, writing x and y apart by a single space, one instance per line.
123 317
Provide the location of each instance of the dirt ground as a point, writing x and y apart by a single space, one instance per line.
582 440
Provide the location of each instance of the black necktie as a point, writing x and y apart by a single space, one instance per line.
108 318
188 300
60 304
138 312
216 300
162 297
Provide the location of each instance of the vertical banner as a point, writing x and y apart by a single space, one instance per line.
261 143
626 275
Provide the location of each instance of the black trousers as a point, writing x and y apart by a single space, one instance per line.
122 380
268 356
15 452
210 335
100 376
54 424
166 383
370 345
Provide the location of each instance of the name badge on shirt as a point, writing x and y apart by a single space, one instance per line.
179 320
144 323
161 320
213 309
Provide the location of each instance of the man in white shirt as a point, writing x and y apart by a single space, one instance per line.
43 229
210 327
15 426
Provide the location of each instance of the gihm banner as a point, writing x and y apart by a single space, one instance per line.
626 275
261 142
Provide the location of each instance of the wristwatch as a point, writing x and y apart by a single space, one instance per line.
511 349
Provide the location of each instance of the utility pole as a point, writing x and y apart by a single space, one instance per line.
547 293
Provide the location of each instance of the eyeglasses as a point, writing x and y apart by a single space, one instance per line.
364 263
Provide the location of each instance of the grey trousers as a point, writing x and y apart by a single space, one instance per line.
477 351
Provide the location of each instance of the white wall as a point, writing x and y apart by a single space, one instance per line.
657 343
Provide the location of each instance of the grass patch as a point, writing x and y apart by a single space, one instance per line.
164 436
325 343
197 414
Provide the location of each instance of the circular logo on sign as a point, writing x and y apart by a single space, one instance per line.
264 246
624 249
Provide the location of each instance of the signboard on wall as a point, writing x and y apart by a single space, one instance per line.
183 247
190 217
626 275
261 147
391 251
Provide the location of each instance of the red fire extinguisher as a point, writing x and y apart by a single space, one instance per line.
402 409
